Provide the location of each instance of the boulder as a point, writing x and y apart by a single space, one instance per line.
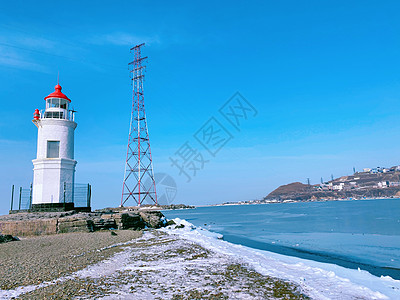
130 221
153 219
7 238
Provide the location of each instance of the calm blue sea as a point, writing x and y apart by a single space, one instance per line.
361 234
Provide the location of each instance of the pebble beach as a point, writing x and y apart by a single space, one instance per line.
34 260
129 265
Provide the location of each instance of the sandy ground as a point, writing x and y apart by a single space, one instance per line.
152 266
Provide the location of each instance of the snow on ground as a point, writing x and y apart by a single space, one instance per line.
162 266
318 280
192 263
167 268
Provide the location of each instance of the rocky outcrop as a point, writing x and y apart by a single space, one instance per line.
29 227
177 206
7 238
153 219
129 220
28 224
75 224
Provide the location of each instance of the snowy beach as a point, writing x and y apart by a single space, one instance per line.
157 265
187 262
32 261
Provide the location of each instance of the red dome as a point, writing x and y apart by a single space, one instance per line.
57 94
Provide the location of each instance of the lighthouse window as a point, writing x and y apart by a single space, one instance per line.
63 103
54 115
53 149
57 103
54 102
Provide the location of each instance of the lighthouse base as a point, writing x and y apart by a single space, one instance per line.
53 181
52 207
55 207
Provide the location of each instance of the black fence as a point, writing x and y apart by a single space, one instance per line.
24 199
82 195
77 196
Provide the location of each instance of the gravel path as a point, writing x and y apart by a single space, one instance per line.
34 260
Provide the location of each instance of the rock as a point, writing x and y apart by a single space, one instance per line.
131 221
107 216
108 223
74 225
152 218
7 238
170 222
177 206
179 226
43 223
29 227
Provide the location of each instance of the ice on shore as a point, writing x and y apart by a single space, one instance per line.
318 280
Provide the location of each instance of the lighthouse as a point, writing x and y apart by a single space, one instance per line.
54 166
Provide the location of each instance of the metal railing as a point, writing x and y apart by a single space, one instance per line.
24 198
64 114
79 194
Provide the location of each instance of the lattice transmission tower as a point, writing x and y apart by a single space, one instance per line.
139 183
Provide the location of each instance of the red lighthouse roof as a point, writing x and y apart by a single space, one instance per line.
57 94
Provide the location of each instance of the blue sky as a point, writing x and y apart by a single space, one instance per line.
323 77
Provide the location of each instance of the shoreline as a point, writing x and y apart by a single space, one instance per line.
290 201
317 256
319 280
370 250
155 265
180 262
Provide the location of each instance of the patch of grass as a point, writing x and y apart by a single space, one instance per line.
266 285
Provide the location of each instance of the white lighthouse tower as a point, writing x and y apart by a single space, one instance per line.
54 166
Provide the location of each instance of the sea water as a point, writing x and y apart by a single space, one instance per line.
355 234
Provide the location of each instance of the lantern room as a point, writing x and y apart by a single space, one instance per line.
57 105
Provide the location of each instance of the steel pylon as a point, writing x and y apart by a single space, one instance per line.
139 183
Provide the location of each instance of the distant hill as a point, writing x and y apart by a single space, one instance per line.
293 189
372 184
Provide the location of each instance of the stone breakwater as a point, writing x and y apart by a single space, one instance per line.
47 223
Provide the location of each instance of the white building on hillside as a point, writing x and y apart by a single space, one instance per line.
339 186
